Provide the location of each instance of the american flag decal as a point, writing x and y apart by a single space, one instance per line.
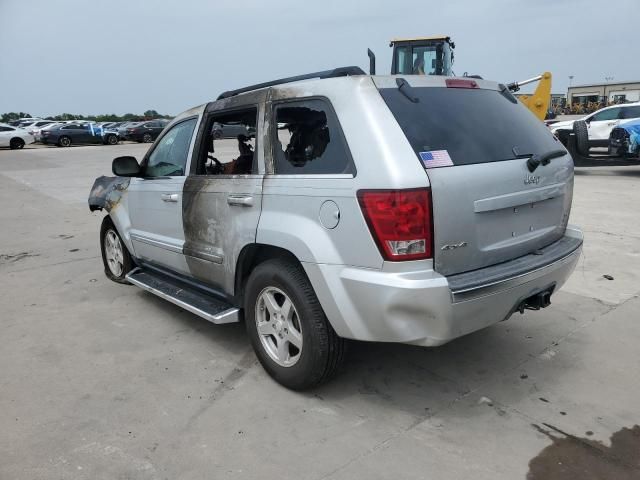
436 158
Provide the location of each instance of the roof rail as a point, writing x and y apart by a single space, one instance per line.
336 72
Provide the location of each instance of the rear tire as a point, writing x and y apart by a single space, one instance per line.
115 257
312 350
581 132
147 138
16 143
112 140
64 141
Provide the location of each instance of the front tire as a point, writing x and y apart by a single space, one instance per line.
289 331
16 144
112 140
115 256
581 132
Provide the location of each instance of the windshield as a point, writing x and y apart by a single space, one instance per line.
469 125
435 58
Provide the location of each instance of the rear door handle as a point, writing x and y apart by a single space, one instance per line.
240 200
169 197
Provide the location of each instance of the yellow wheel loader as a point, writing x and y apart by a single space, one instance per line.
434 56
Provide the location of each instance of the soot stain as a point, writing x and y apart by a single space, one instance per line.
570 457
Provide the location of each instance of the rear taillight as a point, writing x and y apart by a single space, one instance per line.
400 222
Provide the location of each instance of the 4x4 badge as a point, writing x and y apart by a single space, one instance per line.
529 179
453 246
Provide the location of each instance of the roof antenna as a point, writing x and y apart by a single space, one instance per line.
372 62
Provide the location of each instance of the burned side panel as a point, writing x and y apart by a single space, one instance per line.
107 192
216 228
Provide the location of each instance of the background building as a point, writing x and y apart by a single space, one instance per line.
606 93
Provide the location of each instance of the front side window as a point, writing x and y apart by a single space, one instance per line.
231 143
169 158
309 140
611 114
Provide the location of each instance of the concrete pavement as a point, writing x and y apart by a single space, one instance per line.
103 381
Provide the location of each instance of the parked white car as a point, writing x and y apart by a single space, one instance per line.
599 123
37 125
14 137
37 132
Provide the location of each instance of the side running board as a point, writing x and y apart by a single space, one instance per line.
195 301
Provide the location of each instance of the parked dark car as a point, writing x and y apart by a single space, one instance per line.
124 126
227 130
624 140
76 133
145 131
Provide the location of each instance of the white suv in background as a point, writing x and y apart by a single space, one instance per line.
600 123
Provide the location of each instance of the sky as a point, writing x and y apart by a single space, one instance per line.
119 56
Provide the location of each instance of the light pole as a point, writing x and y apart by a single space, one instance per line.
568 99
606 97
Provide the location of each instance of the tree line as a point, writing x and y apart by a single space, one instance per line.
109 117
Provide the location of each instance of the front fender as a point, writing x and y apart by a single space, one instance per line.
111 194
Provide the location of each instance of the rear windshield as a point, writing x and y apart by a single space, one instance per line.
470 125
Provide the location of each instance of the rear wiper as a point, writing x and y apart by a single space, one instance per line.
544 159
406 89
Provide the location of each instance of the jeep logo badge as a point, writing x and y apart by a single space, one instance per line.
531 179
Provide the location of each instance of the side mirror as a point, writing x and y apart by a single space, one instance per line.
125 167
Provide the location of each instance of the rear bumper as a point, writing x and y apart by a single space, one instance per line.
423 307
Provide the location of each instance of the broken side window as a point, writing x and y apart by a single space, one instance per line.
231 143
309 140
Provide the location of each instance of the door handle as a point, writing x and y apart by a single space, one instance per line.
169 197
240 200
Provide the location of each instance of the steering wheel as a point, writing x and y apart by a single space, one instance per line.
216 167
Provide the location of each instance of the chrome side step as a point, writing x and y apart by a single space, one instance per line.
210 308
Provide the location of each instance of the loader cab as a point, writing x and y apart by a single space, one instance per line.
422 56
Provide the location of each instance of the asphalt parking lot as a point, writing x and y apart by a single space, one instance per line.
103 381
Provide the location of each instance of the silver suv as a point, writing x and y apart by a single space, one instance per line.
411 209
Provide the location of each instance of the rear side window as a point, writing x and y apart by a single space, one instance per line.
469 125
631 112
309 140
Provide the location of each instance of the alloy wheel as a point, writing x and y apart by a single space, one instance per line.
278 326
113 253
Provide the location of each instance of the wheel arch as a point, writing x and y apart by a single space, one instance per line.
250 257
